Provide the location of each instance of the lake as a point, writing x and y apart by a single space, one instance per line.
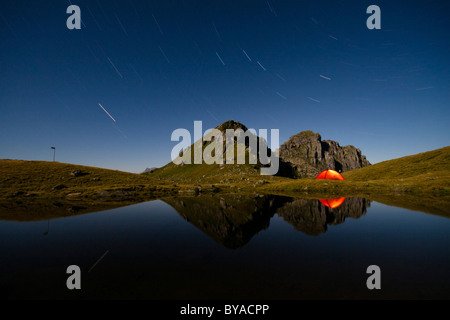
226 246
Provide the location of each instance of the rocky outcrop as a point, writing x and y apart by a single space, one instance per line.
308 155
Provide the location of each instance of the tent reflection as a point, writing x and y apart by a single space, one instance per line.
332 203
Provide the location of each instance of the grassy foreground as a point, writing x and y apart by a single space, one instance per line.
25 179
422 176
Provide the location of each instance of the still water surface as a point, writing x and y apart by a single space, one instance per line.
230 247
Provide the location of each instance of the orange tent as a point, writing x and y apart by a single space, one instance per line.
332 203
330 175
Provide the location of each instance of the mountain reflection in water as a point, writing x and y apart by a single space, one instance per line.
232 220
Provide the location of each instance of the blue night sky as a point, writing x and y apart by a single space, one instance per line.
156 66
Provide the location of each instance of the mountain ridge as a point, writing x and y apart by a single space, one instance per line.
303 155
308 155
418 182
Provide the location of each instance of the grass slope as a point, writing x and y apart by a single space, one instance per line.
423 166
213 173
53 179
424 172
427 172
421 178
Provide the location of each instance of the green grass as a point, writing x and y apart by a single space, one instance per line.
34 190
42 179
423 166
203 172
425 173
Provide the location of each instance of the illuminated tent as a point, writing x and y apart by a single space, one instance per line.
332 203
330 175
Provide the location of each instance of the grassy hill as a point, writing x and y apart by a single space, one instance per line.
425 165
203 173
20 178
427 172
213 173
418 182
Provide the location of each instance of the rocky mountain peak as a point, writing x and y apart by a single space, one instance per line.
308 155
231 124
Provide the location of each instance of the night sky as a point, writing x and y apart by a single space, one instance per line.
156 66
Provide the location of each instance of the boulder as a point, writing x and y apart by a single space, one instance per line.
76 173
